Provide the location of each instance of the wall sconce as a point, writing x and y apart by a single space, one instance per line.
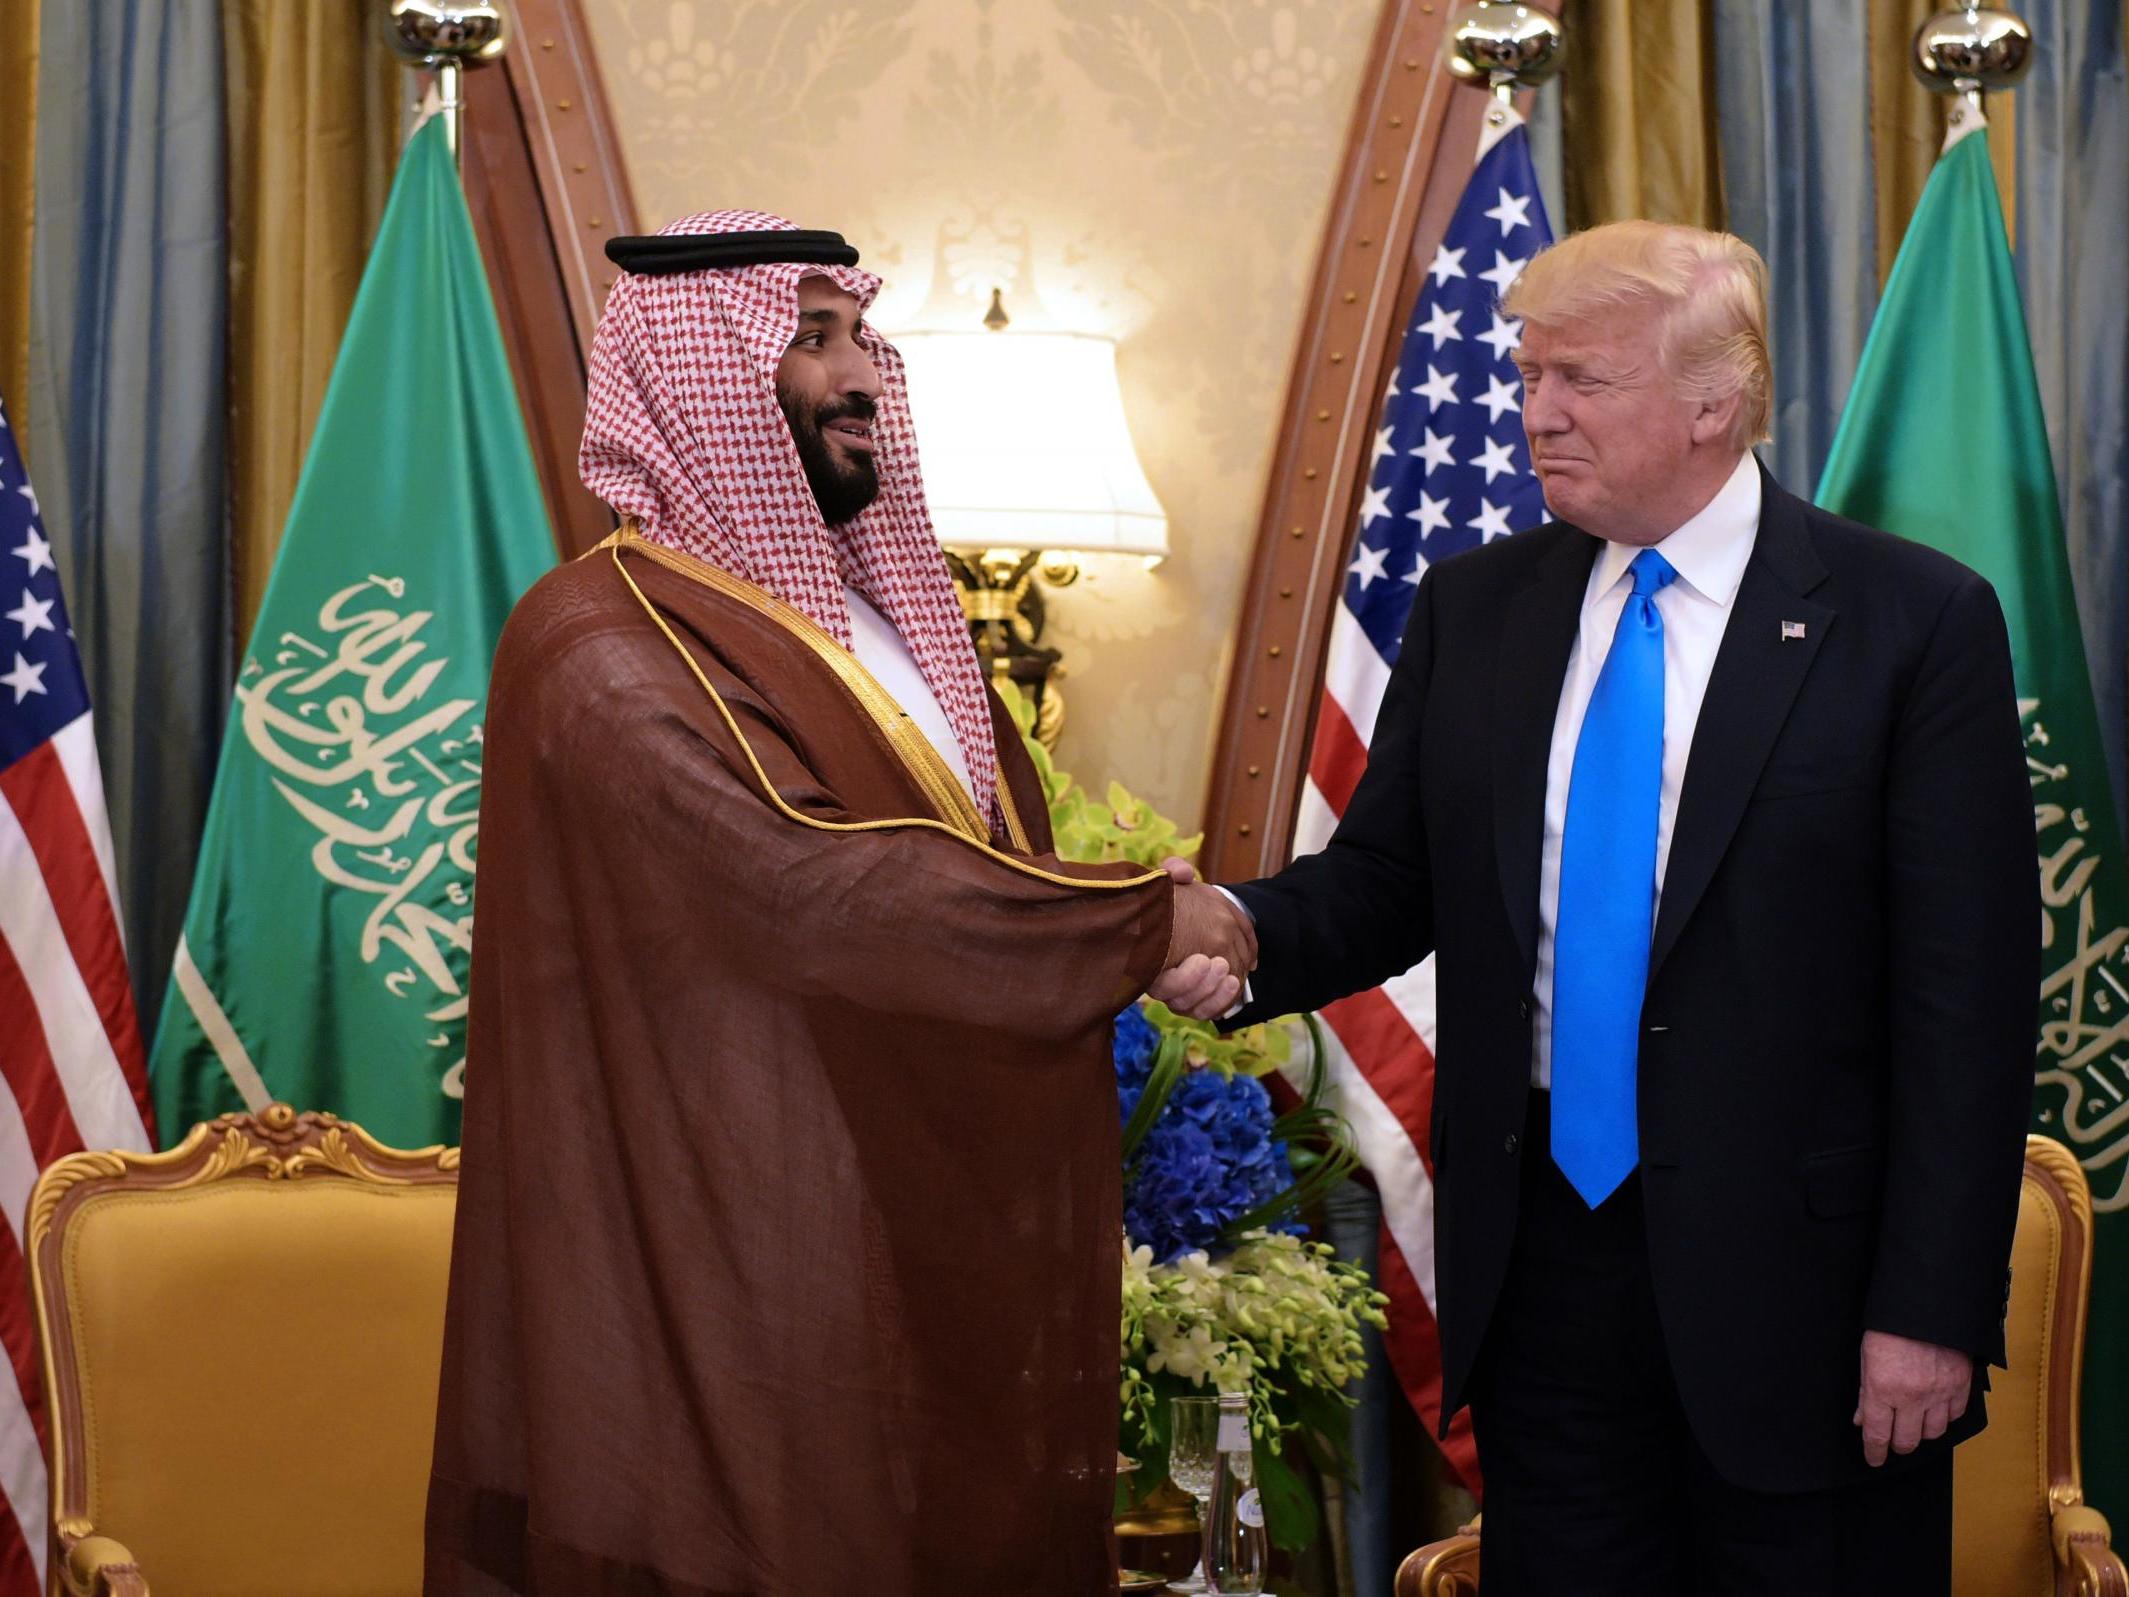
1029 468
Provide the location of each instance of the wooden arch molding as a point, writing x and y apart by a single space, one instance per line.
1409 152
547 187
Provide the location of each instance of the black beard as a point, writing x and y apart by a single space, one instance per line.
841 487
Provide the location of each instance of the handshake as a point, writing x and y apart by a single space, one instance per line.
1212 952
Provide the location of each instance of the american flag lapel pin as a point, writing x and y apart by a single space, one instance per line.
1792 631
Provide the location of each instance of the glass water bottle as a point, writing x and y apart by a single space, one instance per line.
1234 1527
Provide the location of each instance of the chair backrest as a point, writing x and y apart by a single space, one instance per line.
2007 1479
241 1344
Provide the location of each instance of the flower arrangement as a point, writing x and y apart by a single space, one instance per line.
1221 1291
1278 1318
1207 1157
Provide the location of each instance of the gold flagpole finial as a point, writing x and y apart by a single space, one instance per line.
1504 47
446 37
1964 50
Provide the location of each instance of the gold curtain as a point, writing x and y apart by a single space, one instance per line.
314 118
1907 127
18 189
1638 112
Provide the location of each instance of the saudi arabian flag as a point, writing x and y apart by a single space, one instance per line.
1943 441
325 950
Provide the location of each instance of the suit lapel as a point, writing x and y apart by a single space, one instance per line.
1537 634
1758 671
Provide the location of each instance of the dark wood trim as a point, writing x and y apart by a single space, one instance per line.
547 187
1408 154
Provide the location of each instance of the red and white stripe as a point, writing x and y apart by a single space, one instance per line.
1381 1054
70 1061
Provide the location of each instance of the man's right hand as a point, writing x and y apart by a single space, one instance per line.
1214 948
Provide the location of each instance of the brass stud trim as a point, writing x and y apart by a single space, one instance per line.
1350 296
1286 593
1255 770
1323 415
561 105
1273 651
1337 357
1310 473
1263 711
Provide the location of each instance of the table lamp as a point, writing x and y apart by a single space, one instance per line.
1029 468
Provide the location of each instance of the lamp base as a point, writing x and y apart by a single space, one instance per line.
1006 615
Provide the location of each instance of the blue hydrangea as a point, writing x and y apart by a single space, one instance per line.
1208 1159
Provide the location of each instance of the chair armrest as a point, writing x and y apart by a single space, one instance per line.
2082 1548
97 1566
1447 1568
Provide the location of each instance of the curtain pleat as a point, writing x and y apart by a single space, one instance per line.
1638 112
128 320
2072 170
1797 182
18 188
314 112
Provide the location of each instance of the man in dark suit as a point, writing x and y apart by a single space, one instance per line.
1713 810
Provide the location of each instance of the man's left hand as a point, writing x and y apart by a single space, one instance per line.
1911 1392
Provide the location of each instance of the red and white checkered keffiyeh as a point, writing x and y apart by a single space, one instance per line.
684 433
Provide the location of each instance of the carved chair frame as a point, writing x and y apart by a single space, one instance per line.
275 1145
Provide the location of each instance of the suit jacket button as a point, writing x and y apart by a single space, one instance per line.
1522 1007
1511 1143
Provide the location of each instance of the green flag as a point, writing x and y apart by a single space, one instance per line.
325 949
1943 441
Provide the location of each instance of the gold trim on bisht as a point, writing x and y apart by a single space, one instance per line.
924 762
915 750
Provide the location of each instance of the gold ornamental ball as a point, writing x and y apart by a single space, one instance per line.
430 33
1491 42
1972 47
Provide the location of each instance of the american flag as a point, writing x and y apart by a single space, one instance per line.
1451 470
70 1053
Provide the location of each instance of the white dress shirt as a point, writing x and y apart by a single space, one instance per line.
1709 554
882 650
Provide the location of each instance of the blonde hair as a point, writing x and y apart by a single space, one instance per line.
1710 288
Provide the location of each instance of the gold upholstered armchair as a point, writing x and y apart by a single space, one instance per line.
2020 1526
241 1340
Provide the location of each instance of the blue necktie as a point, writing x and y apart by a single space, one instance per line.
1608 900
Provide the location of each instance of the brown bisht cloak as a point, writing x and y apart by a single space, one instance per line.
787 1249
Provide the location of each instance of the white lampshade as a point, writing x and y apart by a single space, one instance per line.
1025 445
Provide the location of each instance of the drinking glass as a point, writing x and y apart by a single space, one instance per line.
1193 1431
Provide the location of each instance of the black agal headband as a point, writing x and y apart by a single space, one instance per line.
659 254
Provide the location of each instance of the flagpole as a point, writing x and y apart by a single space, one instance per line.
446 37
1964 50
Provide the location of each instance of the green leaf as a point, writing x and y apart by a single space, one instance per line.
1290 1517
1168 1066
1327 1424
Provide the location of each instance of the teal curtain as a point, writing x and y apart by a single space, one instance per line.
1799 182
1793 87
128 397
2073 260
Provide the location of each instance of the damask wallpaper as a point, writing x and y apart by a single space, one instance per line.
1155 170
